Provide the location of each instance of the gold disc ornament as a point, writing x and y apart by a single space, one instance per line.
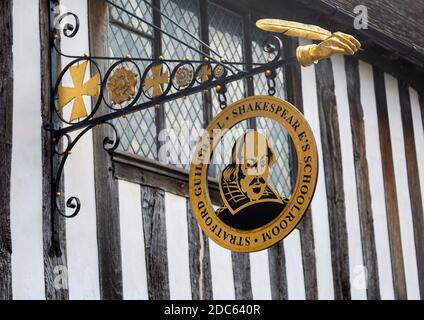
253 215
183 77
122 85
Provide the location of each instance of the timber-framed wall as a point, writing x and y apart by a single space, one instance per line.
136 237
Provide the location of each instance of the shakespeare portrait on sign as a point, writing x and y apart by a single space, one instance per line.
250 201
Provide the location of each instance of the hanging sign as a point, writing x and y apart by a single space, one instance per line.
253 215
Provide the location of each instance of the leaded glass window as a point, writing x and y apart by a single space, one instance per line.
183 118
183 121
226 37
129 36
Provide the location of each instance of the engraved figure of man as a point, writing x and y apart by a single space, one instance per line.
250 202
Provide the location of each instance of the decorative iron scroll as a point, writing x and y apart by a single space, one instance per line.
121 88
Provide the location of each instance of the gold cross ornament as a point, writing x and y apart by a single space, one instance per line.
90 88
158 78
204 73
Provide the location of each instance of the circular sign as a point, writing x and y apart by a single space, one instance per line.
253 215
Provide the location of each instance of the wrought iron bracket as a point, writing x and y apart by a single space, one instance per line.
206 73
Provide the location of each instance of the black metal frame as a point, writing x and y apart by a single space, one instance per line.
60 133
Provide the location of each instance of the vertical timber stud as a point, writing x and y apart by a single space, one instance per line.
241 261
242 279
55 262
157 52
398 270
206 95
6 112
247 54
333 172
421 100
154 224
413 180
106 187
204 36
277 270
200 268
293 80
57 222
362 177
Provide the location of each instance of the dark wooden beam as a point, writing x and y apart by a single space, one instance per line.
421 100
415 197
51 259
241 261
154 226
293 82
362 177
106 188
241 274
333 171
136 169
247 54
157 52
200 266
392 207
6 121
277 272
204 36
206 94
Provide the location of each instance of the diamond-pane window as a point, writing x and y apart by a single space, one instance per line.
280 142
137 8
183 118
138 130
226 37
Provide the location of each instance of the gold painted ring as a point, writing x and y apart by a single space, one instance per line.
307 172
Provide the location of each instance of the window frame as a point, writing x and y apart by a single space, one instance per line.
145 171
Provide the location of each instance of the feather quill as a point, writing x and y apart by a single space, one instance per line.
294 29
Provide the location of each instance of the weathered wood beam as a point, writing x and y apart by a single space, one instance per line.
333 171
277 272
392 208
54 265
6 114
153 211
200 266
413 180
106 187
241 274
362 177
293 82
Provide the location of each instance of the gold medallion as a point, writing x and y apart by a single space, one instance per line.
254 216
183 77
122 85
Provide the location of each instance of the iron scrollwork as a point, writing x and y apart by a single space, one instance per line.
125 88
73 203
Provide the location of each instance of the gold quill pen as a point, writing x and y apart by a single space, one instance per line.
294 29
331 44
